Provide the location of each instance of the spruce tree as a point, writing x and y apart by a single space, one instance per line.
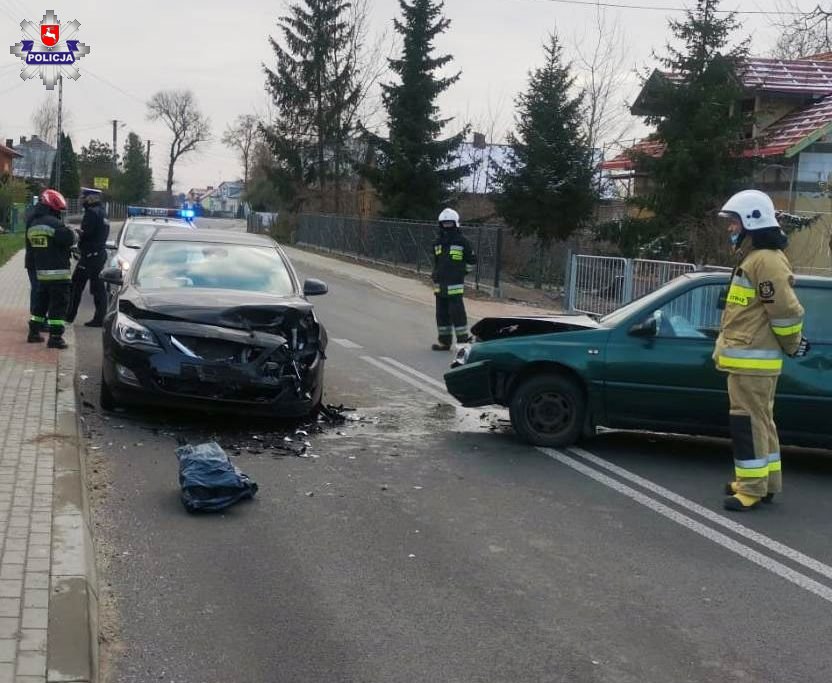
70 178
315 92
414 169
699 121
136 180
546 183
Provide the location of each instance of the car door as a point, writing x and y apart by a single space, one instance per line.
804 393
667 379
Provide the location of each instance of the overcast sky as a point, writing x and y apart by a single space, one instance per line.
216 49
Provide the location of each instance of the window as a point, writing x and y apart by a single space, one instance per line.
137 234
171 265
693 315
817 326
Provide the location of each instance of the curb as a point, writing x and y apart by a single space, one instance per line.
72 640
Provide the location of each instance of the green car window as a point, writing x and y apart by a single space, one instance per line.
692 315
818 323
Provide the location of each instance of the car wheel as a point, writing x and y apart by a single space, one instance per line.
548 410
106 398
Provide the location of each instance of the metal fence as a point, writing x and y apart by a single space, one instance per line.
400 244
260 222
600 284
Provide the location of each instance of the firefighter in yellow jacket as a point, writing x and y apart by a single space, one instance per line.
762 321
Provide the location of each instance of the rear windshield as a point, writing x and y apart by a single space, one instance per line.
207 265
137 234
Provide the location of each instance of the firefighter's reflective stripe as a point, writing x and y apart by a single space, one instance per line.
751 469
774 463
54 275
456 289
751 359
38 319
56 321
437 289
438 250
461 330
742 291
444 329
456 252
41 231
785 327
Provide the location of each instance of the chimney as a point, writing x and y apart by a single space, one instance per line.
22 139
9 143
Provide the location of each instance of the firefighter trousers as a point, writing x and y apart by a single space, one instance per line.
451 319
51 303
757 464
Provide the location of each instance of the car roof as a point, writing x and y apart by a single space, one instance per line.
216 236
723 275
160 222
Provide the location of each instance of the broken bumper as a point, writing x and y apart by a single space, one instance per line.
472 384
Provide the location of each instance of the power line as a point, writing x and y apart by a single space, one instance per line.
114 86
666 8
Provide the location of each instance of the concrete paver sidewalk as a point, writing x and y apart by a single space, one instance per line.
46 572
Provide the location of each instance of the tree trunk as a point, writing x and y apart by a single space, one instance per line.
170 177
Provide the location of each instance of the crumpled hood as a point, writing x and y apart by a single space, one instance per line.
521 326
224 308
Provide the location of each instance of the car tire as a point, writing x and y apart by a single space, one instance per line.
548 410
105 397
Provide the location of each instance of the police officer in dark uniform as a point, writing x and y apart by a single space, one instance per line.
453 259
95 229
50 244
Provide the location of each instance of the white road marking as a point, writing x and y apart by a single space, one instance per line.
414 372
710 515
717 537
347 344
441 395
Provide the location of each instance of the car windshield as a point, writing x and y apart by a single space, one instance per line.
619 314
137 234
172 265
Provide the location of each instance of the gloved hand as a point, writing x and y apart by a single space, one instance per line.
802 349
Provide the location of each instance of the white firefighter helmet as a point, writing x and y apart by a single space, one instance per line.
754 209
449 216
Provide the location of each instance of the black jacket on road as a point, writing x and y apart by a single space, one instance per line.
48 245
452 260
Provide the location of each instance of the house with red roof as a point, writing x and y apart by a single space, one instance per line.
791 133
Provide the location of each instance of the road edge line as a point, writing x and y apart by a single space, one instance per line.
408 379
745 532
416 373
747 553
72 635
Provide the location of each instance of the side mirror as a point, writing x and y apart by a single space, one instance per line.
111 244
648 328
112 276
313 287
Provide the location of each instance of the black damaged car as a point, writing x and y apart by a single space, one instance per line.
213 320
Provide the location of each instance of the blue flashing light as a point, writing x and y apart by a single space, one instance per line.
157 212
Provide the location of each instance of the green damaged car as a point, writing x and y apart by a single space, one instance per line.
645 366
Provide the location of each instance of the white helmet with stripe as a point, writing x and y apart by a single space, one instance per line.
449 216
754 209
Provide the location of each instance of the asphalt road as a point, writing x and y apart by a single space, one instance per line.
422 544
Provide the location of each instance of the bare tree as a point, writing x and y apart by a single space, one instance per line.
45 120
802 33
178 110
241 136
603 68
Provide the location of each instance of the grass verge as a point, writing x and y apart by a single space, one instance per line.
10 244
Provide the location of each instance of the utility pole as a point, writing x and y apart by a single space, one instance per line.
60 132
115 145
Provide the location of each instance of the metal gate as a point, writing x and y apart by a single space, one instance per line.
601 284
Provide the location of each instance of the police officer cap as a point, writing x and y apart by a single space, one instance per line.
90 192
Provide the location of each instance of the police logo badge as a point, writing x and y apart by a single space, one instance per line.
50 50
766 289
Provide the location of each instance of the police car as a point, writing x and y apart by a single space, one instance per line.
141 224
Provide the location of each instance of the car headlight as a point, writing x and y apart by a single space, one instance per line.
128 331
462 354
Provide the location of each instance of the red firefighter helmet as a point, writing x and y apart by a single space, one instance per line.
53 199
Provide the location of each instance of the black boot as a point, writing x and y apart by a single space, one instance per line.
440 347
34 332
731 489
56 341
